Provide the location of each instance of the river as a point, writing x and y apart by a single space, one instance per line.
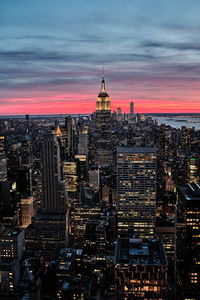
178 121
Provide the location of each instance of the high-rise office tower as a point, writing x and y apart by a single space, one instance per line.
136 191
83 142
103 128
70 138
94 179
27 117
24 181
24 178
26 211
193 169
185 138
26 152
70 176
51 174
47 232
11 253
188 240
9 204
82 166
3 160
131 107
84 209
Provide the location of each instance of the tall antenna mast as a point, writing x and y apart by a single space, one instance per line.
103 71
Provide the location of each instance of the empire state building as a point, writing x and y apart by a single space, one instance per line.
103 128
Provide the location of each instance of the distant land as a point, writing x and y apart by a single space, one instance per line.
32 116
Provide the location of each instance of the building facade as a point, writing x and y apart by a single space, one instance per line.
3 160
51 174
136 191
103 128
140 269
188 240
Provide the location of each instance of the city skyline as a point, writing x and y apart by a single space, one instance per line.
100 206
51 56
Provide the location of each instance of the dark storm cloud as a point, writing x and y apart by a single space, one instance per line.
177 46
41 55
34 55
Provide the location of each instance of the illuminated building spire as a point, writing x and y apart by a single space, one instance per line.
103 127
103 89
103 102
103 93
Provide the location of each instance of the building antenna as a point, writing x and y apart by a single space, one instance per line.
103 71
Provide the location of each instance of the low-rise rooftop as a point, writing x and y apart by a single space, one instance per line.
140 252
191 192
136 149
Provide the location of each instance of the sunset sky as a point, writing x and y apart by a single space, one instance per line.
52 52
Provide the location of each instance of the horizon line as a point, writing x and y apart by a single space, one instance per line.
60 114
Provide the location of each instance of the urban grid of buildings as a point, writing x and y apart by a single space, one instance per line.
104 206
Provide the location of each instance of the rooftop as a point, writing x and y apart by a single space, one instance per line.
46 215
12 232
191 192
140 252
136 149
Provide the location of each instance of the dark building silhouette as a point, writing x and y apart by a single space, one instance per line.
26 152
51 174
188 240
131 107
11 252
3 160
48 231
24 181
70 138
9 204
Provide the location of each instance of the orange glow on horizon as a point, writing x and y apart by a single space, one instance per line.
86 104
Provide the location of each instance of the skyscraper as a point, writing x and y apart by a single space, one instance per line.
47 232
94 179
193 169
188 240
24 176
24 181
11 253
70 137
131 107
103 127
3 161
26 211
9 207
136 191
26 152
51 174
70 176
83 142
